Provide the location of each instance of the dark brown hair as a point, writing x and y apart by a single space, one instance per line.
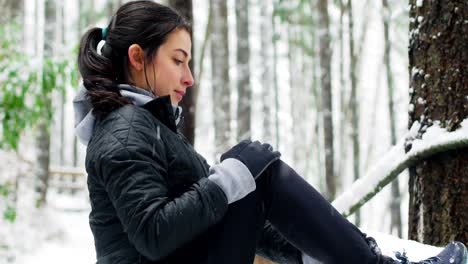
145 23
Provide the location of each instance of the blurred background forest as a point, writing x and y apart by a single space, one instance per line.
331 84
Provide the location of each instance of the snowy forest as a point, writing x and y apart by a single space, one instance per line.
366 99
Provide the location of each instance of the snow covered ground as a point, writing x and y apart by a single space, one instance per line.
66 237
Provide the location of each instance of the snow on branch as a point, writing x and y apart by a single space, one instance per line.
434 140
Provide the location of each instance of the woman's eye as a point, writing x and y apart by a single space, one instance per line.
178 62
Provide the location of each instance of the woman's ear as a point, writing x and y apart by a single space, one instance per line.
136 57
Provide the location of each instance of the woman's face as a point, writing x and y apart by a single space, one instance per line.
169 72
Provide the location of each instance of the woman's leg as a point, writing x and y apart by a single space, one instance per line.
231 241
234 239
308 221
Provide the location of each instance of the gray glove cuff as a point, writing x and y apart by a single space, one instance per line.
234 178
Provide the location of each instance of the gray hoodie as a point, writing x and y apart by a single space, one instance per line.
85 120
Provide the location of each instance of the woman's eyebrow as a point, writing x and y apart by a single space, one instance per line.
183 51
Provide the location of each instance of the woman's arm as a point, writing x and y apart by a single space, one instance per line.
134 176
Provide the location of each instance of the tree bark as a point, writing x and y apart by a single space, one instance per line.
266 66
327 110
438 65
43 128
10 9
189 103
243 71
275 39
354 104
395 203
342 124
220 75
293 89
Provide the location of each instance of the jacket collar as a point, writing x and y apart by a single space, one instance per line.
162 109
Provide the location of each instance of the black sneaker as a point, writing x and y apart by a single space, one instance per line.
453 253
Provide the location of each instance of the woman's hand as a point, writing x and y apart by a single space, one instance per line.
254 155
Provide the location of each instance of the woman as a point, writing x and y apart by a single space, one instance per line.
154 198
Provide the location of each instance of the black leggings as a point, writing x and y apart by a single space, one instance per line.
296 210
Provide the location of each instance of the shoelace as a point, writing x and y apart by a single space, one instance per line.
404 259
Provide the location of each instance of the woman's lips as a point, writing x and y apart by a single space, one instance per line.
180 94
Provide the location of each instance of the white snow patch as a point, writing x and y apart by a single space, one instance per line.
415 251
415 71
419 3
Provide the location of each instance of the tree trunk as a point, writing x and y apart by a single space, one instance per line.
438 64
43 128
354 104
220 75
62 95
10 9
342 124
327 110
189 103
317 95
266 66
275 39
395 203
293 89
243 71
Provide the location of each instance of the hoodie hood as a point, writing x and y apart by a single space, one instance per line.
85 119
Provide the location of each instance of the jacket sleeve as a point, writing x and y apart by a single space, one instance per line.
134 176
273 246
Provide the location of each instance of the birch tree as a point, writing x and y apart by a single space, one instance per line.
220 73
275 39
243 71
354 102
342 124
266 66
438 64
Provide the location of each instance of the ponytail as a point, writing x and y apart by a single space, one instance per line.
100 77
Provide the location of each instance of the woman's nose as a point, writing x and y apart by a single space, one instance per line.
188 79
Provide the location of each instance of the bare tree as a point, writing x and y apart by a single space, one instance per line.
342 124
43 128
438 64
10 9
327 110
354 102
275 39
265 53
243 71
220 73
395 203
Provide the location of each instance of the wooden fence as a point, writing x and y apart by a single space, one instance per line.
67 179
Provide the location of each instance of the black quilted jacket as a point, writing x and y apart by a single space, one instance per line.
149 191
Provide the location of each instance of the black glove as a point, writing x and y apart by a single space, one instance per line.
255 156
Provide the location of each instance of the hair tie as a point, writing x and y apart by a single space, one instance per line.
104 33
99 47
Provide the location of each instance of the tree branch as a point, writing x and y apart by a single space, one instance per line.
434 141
